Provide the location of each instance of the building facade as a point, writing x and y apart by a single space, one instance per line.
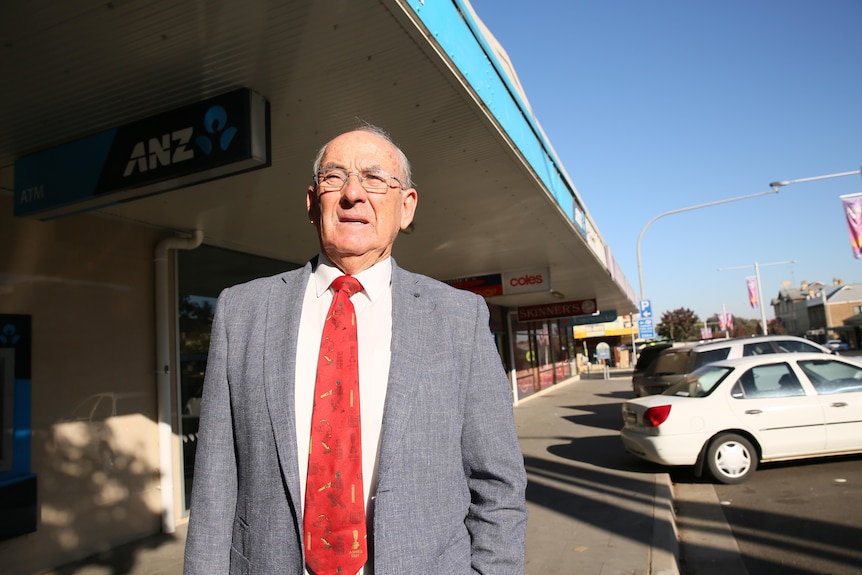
127 203
818 311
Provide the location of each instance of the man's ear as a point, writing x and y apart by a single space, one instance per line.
312 204
409 199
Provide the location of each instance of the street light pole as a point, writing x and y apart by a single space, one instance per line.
774 190
759 288
764 329
776 185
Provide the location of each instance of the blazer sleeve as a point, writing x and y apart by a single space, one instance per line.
214 493
493 462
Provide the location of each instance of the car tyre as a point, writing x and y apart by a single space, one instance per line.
731 458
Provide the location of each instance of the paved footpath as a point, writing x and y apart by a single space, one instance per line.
594 509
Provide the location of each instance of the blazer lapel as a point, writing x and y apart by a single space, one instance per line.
282 333
410 318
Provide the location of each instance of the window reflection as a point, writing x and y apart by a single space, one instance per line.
202 274
543 354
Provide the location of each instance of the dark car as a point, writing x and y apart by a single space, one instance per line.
646 356
670 366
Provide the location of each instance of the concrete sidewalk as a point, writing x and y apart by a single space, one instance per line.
594 509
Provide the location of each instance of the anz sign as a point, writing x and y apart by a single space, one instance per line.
221 136
151 154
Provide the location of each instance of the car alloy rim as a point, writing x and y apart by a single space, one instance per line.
732 459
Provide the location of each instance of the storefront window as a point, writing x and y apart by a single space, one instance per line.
202 274
545 355
526 370
560 350
542 355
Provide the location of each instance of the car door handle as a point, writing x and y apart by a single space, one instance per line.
753 412
838 404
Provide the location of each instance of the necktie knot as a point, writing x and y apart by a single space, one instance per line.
348 284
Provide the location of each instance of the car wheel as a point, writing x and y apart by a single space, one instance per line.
731 458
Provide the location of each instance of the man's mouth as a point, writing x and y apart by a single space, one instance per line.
347 220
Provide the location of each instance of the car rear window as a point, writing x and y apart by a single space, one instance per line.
647 356
699 383
797 346
701 358
672 362
759 348
832 376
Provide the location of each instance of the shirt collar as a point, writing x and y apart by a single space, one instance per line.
374 280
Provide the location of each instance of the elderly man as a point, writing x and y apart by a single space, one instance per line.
355 416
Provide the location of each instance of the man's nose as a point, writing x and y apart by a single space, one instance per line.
353 189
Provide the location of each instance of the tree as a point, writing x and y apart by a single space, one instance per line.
776 327
680 324
746 327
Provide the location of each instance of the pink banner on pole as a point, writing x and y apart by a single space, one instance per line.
853 211
729 320
722 322
751 283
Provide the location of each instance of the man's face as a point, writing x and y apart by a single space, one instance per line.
357 229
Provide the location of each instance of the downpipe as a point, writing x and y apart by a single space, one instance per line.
163 369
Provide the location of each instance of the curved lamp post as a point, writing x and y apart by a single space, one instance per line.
774 190
776 185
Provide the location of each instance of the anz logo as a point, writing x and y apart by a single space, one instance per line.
175 147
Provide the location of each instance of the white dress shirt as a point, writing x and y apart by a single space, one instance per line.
373 307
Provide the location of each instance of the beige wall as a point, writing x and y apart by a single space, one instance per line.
840 311
87 282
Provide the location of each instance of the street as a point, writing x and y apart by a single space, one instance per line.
799 518
796 518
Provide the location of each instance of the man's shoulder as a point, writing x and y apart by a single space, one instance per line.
257 285
431 286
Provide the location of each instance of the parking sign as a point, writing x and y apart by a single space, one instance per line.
646 329
645 308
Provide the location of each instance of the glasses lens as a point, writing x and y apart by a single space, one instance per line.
332 180
374 182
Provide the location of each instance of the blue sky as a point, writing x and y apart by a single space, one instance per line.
661 105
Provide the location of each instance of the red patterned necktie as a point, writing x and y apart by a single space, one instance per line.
334 520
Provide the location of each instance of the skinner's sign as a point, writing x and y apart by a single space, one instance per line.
555 310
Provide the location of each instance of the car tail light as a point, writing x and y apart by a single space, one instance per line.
655 416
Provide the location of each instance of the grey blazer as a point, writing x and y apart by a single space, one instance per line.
451 480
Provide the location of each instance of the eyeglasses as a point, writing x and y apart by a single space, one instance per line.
372 181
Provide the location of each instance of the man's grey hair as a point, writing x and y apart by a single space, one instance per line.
404 174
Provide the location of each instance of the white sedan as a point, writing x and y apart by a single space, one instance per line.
730 415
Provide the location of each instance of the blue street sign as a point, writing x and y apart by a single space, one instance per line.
645 308
646 330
